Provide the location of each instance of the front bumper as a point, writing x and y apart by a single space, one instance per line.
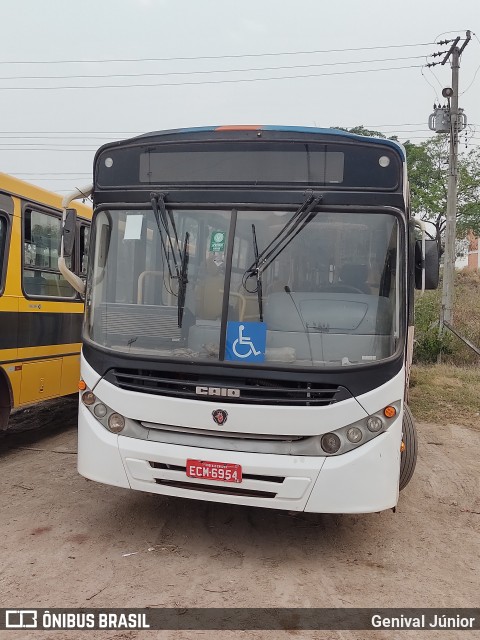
361 481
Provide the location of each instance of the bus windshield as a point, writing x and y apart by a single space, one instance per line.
329 298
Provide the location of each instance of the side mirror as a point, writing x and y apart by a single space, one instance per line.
428 264
68 232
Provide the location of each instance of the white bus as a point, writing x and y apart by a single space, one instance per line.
248 312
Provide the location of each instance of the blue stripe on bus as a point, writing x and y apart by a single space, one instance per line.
338 132
294 129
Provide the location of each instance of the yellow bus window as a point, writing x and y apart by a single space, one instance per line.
41 276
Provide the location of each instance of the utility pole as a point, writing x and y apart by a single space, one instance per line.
456 122
453 120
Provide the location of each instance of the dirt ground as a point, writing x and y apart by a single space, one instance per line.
69 542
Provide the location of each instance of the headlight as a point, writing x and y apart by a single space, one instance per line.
88 398
108 418
351 436
374 424
100 410
330 443
116 422
354 434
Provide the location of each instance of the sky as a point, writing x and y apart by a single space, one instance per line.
77 74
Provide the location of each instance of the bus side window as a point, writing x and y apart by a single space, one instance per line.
41 276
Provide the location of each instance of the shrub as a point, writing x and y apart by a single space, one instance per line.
428 343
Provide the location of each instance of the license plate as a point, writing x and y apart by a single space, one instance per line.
220 471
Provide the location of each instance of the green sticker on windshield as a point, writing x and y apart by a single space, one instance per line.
217 241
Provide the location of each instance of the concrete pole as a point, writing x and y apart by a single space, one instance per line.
446 312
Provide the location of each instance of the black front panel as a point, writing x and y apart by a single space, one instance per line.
296 163
124 370
247 390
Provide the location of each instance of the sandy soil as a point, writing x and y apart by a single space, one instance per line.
64 541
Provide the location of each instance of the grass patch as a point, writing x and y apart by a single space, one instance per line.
445 394
428 344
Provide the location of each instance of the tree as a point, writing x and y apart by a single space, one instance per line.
360 130
468 218
427 164
428 170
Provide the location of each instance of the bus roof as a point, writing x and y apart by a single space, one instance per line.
16 187
293 129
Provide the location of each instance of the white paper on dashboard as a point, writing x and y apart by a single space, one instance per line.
133 227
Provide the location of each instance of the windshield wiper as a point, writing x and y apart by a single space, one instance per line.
163 220
156 213
259 275
302 216
183 280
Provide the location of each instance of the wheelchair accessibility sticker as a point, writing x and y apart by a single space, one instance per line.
246 341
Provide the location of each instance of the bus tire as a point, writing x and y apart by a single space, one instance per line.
408 457
5 401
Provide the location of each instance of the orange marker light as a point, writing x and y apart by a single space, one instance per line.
402 447
389 411
239 127
82 385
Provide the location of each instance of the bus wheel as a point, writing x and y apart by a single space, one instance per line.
5 403
408 457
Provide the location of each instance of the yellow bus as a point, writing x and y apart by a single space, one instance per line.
40 313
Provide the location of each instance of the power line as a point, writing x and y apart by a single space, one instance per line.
75 132
35 149
205 82
59 173
46 145
76 145
93 149
48 137
103 134
204 72
222 57
405 124
53 179
101 139
402 131
478 68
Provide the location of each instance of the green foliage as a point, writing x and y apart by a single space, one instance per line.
428 169
427 164
466 317
445 394
428 343
469 193
428 173
361 131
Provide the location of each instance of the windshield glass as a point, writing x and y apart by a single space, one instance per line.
193 288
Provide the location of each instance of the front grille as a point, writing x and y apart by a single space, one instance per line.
252 390
232 491
233 441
